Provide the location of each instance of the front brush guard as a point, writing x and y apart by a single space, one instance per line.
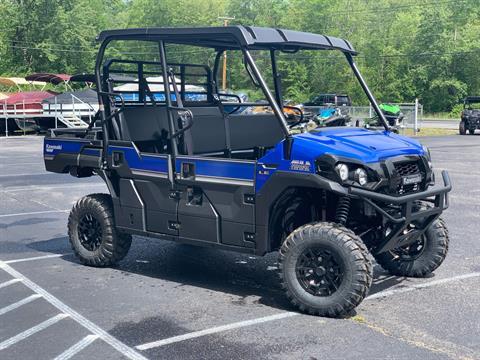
400 232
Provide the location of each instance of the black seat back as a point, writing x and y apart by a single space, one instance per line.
146 126
248 131
208 130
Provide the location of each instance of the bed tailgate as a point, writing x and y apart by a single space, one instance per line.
77 156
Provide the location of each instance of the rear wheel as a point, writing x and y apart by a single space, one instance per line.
462 128
471 131
325 269
92 232
420 258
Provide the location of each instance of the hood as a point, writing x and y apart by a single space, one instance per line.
356 143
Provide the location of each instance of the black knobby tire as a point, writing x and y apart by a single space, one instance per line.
92 233
338 297
471 131
462 129
426 256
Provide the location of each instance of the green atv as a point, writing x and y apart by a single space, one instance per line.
393 114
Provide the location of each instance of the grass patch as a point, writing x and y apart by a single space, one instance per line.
429 132
358 318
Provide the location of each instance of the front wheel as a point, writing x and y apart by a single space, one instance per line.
420 258
325 269
471 131
92 232
462 129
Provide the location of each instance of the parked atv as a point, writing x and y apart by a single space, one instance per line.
393 115
332 117
470 117
326 199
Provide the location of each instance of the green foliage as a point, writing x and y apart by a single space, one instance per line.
456 110
424 49
444 94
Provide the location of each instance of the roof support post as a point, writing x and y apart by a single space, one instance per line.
367 91
275 106
216 66
168 98
276 78
101 106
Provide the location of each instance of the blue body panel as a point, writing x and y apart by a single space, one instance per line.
52 146
145 162
220 168
357 144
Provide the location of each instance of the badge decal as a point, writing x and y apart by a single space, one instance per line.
300 165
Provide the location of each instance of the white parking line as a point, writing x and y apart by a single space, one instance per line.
32 174
214 330
79 346
218 329
34 213
409 288
23 335
9 282
34 258
52 187
64 308
21 164
19 303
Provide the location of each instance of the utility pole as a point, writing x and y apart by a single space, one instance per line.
224 70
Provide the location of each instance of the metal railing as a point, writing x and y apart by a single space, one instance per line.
78 109
413 114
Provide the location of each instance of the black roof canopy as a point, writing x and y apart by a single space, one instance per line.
472 99
233 37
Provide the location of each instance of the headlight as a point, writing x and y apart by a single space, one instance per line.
426 150
342 171
361 176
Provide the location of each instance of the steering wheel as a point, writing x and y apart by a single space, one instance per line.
299 111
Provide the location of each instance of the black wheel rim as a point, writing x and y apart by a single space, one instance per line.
319 271
90 232
412 251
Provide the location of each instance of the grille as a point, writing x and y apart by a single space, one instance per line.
407 168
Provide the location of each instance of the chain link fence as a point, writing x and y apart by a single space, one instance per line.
411 123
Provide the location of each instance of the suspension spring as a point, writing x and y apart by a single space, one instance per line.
343 209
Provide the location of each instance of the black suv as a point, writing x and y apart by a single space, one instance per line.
330 99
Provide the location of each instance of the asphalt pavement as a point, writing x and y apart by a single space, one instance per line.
439 124
172 301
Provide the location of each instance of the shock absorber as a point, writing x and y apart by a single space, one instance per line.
343 209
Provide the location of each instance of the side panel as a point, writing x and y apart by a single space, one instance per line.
217 200
145 185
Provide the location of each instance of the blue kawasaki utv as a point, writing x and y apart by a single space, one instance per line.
185 169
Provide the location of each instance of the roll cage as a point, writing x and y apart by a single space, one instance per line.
241 38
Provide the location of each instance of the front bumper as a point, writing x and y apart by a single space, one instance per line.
401 232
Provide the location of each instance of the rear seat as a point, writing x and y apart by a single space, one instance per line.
147 126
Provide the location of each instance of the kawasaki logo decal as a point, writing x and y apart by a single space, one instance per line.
300 165
50 148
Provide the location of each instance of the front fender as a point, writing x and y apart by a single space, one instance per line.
271 191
